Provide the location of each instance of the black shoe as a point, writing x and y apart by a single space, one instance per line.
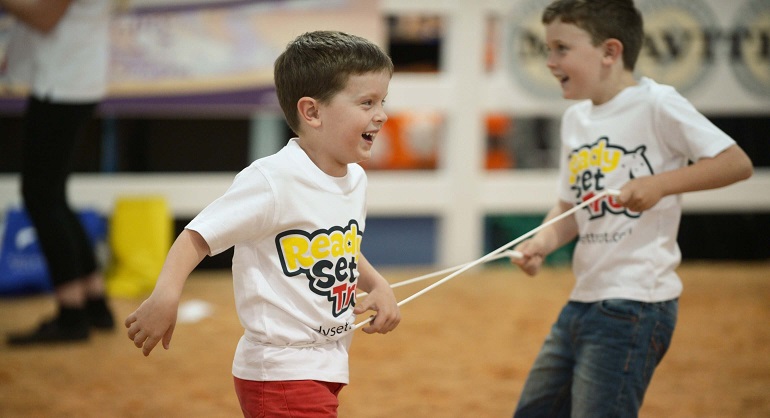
70 325
99 314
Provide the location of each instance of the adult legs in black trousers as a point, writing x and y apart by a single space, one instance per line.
51 134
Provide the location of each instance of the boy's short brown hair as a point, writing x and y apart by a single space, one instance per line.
603 19
318 64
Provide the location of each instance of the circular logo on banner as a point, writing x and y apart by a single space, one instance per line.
679 42
750 47
678 47
527 52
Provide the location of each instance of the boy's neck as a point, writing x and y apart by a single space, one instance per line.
319 159
615 85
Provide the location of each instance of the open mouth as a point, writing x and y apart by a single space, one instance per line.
369 136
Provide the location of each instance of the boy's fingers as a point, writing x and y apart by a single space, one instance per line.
383 323
167 338
388 325
138 339
130 334
132 331
372 327
532 265
363 306
149 344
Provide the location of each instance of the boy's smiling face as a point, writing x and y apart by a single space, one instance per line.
575 61
350 121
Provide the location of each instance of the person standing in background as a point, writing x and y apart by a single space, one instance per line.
60 49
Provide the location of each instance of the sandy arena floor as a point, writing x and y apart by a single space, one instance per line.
462 350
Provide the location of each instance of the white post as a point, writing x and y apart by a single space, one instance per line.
461 234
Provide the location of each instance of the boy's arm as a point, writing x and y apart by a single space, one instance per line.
155 318
729 166
547 240
380 299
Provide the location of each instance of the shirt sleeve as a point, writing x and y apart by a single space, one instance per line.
244 212
685 130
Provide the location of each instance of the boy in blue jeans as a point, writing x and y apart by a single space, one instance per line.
636 136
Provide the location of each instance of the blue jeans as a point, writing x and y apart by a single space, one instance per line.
598 359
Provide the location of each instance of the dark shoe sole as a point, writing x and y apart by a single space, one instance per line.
50 332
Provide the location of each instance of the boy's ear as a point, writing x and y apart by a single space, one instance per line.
613 49
309 111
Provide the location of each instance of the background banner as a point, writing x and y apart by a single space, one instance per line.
216 56
211 56
715 52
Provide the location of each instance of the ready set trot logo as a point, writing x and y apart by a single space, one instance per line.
590 165
327 257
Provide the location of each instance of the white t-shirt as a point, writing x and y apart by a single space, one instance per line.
646 129
297 234
68 64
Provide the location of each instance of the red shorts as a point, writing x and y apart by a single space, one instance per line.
288 398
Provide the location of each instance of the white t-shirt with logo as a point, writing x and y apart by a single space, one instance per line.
297 234
646 129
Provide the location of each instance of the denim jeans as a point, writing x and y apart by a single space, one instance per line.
598 359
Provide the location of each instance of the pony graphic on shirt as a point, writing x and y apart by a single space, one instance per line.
590 165
327 257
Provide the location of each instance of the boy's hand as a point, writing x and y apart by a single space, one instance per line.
152 322
640 194
531 259
383 302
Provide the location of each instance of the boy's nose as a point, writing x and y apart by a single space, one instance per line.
381 116
550 62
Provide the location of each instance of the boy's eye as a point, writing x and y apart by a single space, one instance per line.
558 48
370 102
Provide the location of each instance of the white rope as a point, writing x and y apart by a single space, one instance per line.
490 256
509 254
501 252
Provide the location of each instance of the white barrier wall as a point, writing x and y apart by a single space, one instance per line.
720 65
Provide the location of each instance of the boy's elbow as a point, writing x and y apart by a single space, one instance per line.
746 169
742 167
747 172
